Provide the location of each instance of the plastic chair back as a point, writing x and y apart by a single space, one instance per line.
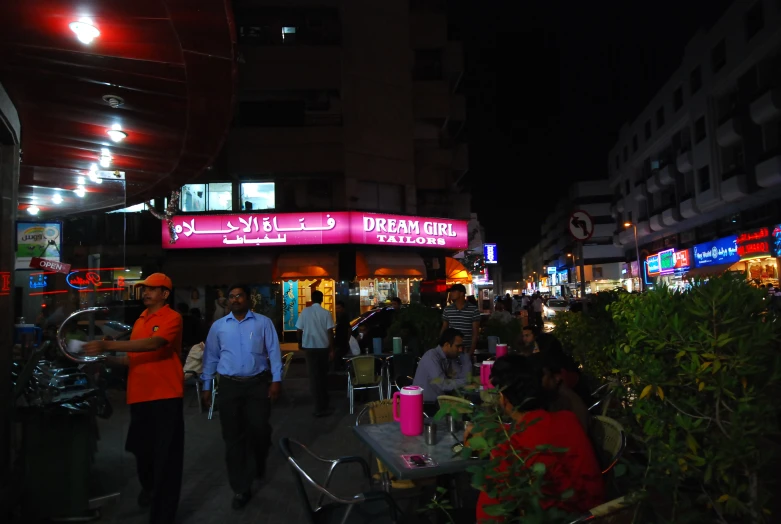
363 370
610 439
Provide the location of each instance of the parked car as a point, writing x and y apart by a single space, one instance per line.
554 307
377 321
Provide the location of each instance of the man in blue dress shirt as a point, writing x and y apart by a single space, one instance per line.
243 347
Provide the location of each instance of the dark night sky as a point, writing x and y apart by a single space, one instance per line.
549 84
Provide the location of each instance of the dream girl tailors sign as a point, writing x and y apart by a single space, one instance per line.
299 229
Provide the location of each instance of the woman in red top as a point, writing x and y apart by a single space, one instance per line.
522 397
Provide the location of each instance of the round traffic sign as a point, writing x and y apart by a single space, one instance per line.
581 225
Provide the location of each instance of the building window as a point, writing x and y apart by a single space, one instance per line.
634 144
648 130
257 195
678 99
732 161
288 26
660 117
703 176
216 196
755 20
380 197
700 132
688 186
771 136
718 56
695 80
626 154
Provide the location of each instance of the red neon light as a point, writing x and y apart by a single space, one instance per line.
5 282
90 278
754 248
759 234
47 293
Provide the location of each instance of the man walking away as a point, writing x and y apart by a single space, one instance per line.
315 337
155 387
240 347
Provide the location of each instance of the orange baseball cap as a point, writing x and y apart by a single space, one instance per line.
157 280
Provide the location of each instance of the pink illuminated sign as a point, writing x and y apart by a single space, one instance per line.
300 229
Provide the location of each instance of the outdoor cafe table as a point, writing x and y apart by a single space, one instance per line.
388 443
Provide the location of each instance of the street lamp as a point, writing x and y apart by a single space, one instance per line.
637 252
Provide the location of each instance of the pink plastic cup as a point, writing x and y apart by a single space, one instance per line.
501 350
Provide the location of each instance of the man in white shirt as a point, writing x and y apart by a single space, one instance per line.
315 337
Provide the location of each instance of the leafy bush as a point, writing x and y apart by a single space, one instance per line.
590 335
508 332
424 322
699 375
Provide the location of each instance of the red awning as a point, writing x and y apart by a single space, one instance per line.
170 65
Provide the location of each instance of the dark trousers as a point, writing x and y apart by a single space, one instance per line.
317 368
538 320
156 438
244 412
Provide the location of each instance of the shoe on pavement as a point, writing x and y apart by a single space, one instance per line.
240 500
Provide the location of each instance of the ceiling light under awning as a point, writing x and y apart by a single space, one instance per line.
116 134
85 31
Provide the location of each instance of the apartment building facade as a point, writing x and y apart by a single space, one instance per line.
344 104
552 265
703 158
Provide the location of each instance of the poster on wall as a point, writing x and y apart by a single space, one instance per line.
290 305
37 240
193 297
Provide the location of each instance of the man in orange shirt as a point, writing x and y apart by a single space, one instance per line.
155 387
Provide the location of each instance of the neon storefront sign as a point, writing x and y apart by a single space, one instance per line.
79 280
219 231
754 243
653 265
721 251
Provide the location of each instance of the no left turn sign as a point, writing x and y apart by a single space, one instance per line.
581 225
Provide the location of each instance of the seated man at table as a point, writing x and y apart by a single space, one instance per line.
443 368
522 398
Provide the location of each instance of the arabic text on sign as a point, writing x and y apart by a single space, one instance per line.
759 234
753 248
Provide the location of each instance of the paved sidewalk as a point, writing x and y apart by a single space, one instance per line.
206 496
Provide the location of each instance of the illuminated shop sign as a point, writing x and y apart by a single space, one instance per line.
489 254
79 280
754 243
721 251
652 262
5 283
668 261
777 241
300 229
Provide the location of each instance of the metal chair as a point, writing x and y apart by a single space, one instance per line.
215 390
287 358
381 412
362 375
372 506
604 510
197 381
610 437
402 365
604 399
